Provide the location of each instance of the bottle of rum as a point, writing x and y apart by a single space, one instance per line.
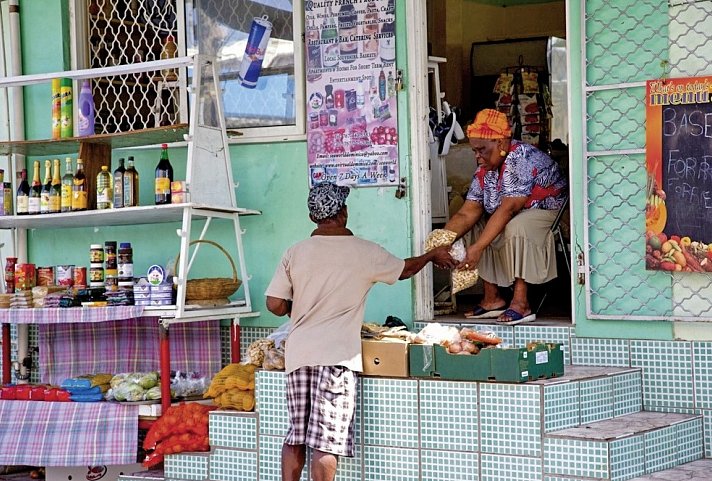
67 182
80 189
119 184
130 188
35 191
104 188
46 186
55 190
23 195
164 177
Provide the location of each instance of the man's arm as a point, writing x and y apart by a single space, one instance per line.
465 218
440 256
279 307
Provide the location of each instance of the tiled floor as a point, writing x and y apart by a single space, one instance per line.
699 470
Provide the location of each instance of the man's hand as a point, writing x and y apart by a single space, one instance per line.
442 258
279 307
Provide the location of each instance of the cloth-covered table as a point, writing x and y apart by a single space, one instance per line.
40 433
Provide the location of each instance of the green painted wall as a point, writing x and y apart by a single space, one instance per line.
272 178
586 327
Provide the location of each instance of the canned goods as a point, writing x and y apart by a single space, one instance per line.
45 276
24 276
79 277
257 41
64 275
96 254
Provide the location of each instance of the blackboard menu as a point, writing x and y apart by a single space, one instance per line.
679 163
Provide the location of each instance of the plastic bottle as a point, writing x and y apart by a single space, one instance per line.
56 108
85 111
104 189
66 106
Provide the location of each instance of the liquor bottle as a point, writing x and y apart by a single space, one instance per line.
348 30
330 41
46 187
382 86
313 52
370 30
164 177
55 191
104 189
23 195
67 182
169 51
119 184
387 42
35 191
80 189
130 189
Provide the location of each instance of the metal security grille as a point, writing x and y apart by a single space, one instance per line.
123 32
627 42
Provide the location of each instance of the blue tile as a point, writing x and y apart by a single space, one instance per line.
440 403
510 419
449 466
496 467
390 464
390 412
667 372
587 351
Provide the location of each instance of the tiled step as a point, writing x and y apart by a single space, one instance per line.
623 448
150 475
700 470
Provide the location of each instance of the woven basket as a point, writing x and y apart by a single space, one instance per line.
211 288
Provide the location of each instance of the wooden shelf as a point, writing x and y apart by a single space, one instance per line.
149 214
50 147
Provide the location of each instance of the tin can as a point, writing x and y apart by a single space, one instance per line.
64 275
45 276
24 276
260 32
7 198
79 277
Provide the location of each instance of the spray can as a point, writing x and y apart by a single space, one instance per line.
56 108
66 104
260 32
85 111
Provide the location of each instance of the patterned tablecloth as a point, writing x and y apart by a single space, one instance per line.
40 433
59 315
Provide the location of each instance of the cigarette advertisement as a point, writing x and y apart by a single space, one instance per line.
678 209
352 134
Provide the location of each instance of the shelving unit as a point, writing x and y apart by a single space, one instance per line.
208 178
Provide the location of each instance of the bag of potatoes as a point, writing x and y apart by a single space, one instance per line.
461 279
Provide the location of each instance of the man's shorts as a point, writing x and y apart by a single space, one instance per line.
321 401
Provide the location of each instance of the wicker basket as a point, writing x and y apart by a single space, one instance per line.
211 288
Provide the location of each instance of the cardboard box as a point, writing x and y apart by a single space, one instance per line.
421 360
385 357
546 360
90 473
509 365
475 367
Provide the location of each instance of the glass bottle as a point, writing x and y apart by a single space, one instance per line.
67 182
46 187
348 30
23 195
130 189
118 199
330 41
370 30
169 51
313 52
164 177
80 189
104 188
55 191
35 191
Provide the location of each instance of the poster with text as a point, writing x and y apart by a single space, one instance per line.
678 209
352 135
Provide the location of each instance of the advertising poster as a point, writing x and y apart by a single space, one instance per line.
678 210
352 135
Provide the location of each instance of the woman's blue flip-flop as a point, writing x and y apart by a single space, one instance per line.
516 317
480 312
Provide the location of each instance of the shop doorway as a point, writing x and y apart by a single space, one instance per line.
509 55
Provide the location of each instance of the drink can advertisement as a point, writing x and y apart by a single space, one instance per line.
260 32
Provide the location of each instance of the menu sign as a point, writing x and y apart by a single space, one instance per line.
352 135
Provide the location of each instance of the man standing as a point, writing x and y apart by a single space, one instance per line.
322 283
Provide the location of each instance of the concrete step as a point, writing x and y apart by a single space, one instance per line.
700 470
625 447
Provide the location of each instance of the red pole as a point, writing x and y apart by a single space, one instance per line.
6 360
235 342
165 367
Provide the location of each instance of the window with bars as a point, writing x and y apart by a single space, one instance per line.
131 31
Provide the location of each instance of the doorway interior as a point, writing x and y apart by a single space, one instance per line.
503 54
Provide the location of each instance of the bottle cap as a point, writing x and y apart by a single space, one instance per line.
95 246
125 245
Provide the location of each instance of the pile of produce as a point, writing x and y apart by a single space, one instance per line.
182 428
463 341
266 354
135 386
676 254
234 387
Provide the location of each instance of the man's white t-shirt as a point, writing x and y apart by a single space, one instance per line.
327 278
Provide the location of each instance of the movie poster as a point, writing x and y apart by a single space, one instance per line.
352 134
